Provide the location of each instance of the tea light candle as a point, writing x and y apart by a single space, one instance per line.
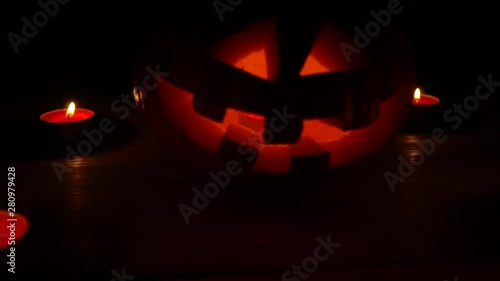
424 99
71 114
423 114
66 125
13 226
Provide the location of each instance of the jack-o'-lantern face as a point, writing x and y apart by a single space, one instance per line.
282 101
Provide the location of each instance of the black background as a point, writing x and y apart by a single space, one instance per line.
90 47
95 43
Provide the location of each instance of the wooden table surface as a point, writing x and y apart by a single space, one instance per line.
119 208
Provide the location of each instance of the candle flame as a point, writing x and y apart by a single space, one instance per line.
70 111
416 96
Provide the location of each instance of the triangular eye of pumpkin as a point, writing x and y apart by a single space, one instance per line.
325 55
256 52
255 63
312 66
259 43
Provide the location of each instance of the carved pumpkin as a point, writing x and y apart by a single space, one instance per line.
221 99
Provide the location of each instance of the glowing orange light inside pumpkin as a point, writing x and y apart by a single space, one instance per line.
70 111
255 63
